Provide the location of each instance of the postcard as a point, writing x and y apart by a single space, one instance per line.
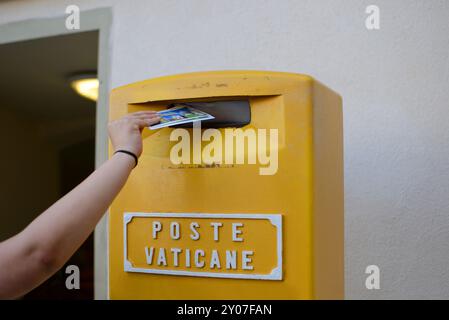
180 113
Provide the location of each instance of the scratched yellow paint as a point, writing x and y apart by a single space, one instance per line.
307 191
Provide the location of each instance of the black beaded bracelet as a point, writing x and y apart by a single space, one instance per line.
129 153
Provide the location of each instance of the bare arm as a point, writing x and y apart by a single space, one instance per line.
41 249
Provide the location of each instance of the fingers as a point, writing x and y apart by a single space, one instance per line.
142 114
142 123
142 118
153 120
150 116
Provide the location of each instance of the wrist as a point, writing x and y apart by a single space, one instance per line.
126 157
127 148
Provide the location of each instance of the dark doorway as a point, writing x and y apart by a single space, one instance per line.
49 133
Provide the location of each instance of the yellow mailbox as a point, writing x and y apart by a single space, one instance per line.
248 205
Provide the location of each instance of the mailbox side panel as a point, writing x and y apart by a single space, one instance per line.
328 201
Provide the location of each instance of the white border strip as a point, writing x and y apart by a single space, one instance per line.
275 219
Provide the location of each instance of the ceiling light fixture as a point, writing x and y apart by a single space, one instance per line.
86 85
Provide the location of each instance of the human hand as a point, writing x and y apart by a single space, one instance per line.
126 132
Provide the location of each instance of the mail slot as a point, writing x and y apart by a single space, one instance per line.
233 113
248 205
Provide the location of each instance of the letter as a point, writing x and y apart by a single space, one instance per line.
215 260
267 309
196 143
207 309
231 259
212 152
157 226
73 280
175 252
236 232
161 259
373 280
229 146
246 260
195 234
182 146
199 310
149 255
198 263
72 22
272 158
240 136
174 230
187 258
372 22
216 225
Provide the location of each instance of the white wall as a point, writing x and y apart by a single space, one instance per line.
395 88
